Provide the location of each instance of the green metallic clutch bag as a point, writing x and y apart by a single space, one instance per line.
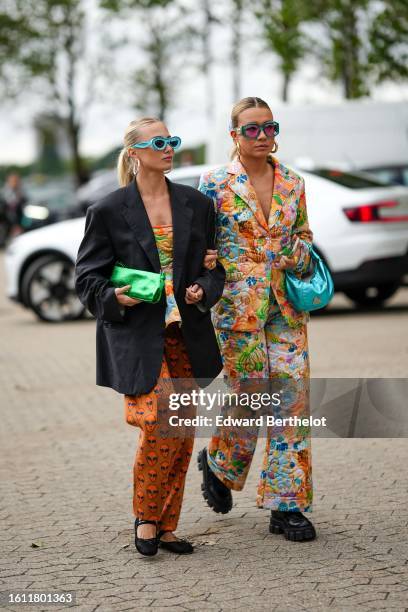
145 286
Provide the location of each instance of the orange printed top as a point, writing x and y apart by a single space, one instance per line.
164 241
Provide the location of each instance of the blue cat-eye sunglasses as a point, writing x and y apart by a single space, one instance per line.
159 143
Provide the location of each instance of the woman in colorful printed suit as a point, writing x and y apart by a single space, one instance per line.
262 230
152 224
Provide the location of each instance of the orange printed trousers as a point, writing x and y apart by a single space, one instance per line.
161 460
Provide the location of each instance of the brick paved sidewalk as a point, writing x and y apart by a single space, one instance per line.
67 488
66 478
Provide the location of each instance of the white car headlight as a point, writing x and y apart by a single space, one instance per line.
36 212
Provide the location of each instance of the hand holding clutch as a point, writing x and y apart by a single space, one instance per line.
123 299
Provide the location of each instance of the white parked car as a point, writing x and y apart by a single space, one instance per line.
360 228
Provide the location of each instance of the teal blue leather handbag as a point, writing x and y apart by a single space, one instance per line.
313 291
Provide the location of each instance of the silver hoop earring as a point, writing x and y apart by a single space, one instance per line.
136 166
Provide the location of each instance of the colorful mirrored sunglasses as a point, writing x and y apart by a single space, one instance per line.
159 143
252 130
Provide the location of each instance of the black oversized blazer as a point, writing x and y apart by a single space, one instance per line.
130 341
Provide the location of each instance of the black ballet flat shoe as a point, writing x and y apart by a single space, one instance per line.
179 547
217 495
147 547
294 526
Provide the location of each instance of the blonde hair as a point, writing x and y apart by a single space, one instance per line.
125 162
238 108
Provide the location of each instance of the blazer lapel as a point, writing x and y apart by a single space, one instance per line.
282 188
239 183
182 216
136 216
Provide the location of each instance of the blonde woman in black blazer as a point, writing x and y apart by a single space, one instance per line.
133 336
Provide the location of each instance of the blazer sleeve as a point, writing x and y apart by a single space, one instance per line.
302 230
93 268
212 281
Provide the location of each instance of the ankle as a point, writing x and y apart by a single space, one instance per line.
146 531
168 536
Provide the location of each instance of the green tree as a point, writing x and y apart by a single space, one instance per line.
165 40
14 31
46 57
281 22
343 50
388 35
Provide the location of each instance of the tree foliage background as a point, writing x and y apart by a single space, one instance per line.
60 57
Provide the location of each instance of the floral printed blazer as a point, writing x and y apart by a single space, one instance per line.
247 244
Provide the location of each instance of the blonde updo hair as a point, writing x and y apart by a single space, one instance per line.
125 162
238 108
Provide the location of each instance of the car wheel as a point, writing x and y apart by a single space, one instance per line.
373 295
48 289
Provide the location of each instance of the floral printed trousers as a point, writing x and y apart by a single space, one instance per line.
276 352
161 461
